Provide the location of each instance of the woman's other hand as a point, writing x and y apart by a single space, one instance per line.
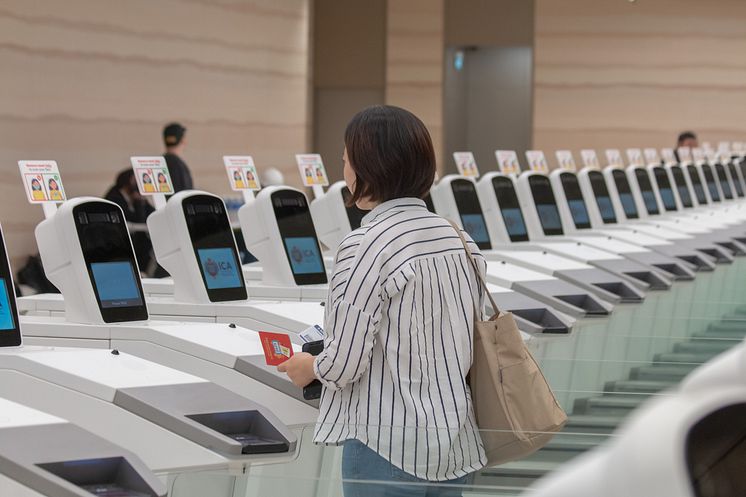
299 369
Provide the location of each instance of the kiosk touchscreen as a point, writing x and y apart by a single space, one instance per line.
683 191
723 181
700 194
456 198
114 293
736 179
58 459
567 200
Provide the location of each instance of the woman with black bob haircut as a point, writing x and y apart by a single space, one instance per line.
398 323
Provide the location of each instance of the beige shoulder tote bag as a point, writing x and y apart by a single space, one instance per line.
516 411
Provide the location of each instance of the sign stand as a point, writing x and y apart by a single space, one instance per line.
50 208
318 191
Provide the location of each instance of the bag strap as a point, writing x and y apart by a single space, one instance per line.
476 269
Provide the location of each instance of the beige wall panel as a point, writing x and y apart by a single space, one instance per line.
89 83
414 62
489 22
615 74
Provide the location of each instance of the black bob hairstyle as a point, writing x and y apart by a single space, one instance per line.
391 153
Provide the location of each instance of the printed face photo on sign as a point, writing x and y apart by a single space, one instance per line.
37 188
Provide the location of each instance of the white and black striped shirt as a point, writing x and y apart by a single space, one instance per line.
399 343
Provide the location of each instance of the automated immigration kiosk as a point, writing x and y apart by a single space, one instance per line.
687 192
628 208
601 212
192 239
174 421
44 455
651 220
335 220
464 203
455 197
87 253
103 300
715 229
499 194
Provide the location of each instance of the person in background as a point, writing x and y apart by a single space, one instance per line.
398 324
173 139
686 139
136 209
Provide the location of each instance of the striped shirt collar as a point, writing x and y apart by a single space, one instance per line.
399 204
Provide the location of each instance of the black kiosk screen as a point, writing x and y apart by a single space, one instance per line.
723 178
299 237
681 186
646 189
736 180
575 201
546 205
354 214
699 190
510 209
10 332
603 199
108 255
472 218
710 180
664 187
625 194
214 248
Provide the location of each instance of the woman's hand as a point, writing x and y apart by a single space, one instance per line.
299 369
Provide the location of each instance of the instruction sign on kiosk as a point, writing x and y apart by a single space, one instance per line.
651 156
241 172
152 175
466 164
312 170
507 160
685 155
590 159
634 156
536 161
42 182
668 156
614 157
565 160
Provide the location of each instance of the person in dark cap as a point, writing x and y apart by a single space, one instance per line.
686 139
173 139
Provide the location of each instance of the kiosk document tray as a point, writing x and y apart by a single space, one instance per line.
108 477
210 415
65 460
249 428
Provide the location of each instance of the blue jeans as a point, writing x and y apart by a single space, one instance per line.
366 474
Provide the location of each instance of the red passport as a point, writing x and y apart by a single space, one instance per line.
277 347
